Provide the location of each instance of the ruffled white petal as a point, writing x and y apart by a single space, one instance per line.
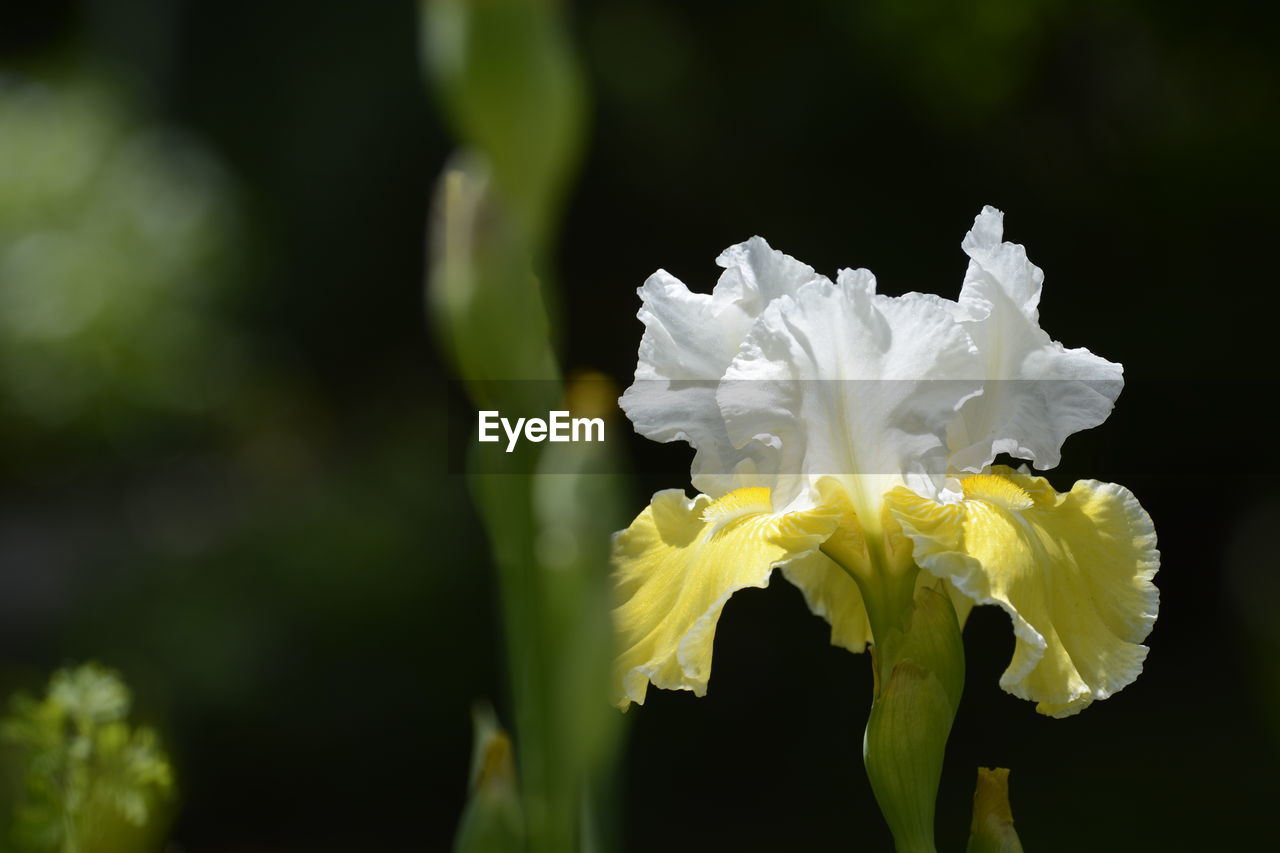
848 383
1038 392
689 341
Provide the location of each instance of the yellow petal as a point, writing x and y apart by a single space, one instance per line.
1072 570
676 566
831 593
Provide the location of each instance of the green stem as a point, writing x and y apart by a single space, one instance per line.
918 662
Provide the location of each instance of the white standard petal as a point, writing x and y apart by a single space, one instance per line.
689 341
1038 391
852 384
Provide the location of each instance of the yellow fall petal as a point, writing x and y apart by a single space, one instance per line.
676 566
831 593
1073 571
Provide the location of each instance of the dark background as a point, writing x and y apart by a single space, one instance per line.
298 591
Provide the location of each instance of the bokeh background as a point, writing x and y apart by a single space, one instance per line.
224 467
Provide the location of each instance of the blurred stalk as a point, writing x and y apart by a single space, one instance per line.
510 84
511 89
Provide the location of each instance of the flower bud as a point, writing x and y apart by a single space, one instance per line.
921 673
992 828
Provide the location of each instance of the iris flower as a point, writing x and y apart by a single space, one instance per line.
849 438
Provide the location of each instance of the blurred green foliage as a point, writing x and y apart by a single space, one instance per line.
90 783
115 236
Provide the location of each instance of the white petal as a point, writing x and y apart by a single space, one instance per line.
1038 392
848 383
760 274
1005 263
689 341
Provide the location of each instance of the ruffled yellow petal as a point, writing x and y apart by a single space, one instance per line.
831 593
676 566
1073 571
